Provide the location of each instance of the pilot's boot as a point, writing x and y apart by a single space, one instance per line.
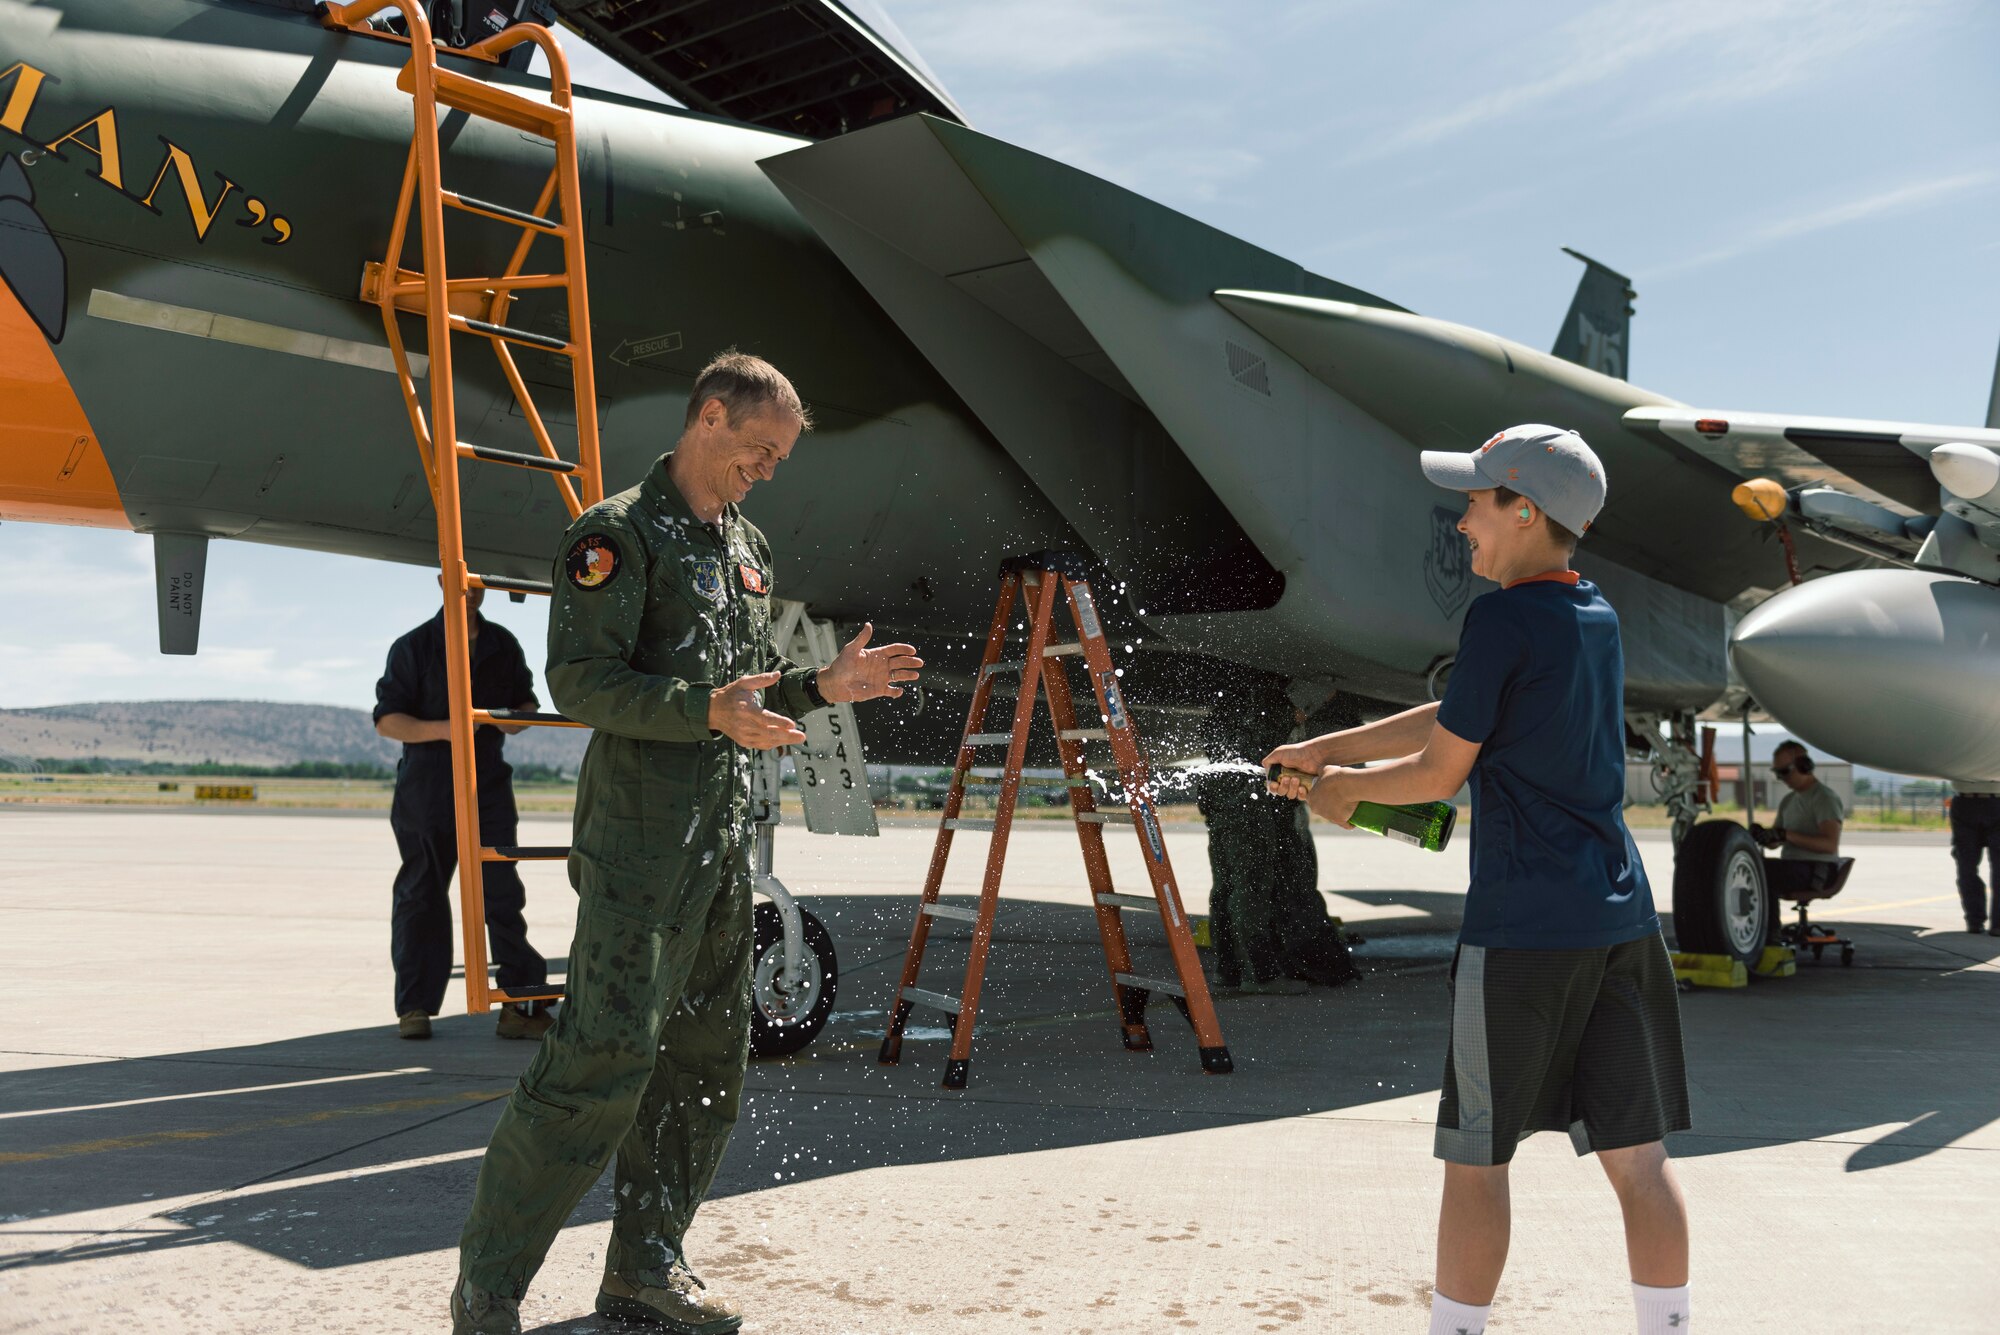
670 1296
474 1311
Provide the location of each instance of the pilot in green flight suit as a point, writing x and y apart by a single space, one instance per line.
658 639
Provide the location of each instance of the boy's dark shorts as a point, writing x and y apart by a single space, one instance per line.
1583 1041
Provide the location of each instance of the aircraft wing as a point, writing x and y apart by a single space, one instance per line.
1887 463
815 68
1906 492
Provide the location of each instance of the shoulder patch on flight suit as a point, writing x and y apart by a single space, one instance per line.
593 561
753 578
708 577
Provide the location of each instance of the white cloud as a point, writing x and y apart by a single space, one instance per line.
1909 198
1685 55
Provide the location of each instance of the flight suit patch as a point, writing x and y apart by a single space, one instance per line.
753 578
708 577
593 562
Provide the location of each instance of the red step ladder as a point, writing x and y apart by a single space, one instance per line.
1044 579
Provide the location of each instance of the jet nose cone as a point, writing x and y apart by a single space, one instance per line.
1894 669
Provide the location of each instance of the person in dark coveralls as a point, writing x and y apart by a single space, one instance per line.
1975 834
660 640
1267 919
412 707
1243 846
1310 939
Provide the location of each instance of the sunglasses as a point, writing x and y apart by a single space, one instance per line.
1781 770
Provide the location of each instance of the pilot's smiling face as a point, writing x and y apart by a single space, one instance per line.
733 456
753 450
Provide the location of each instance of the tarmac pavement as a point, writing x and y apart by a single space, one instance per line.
208 1125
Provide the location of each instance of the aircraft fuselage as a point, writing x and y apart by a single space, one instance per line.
215 175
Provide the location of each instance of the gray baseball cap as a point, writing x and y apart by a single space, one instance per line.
1550 466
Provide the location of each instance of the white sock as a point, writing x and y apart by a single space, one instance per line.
1661 1311
1450 1318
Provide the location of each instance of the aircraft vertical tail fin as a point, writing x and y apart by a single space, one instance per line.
1993 397
1596 332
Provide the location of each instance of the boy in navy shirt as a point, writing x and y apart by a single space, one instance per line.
1564 1011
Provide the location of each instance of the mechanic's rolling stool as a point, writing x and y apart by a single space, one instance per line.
1802 882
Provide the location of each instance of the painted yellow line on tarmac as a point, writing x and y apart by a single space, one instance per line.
1847 911
213 1093
152 1138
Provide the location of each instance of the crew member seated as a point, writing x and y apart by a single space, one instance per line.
1807 837
1807 833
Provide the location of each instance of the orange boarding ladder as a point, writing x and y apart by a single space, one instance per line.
477 307
1044 579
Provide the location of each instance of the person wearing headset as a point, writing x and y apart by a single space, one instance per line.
1807 829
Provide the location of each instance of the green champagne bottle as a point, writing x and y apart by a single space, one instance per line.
1428 825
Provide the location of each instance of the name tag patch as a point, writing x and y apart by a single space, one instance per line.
753 578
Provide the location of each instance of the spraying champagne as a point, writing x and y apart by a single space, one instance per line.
1428 825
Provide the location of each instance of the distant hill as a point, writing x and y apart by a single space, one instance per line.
236 732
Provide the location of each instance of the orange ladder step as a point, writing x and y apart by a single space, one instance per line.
488 102
546 992
509 584
526 717
524 853
501 213
513 459
527 337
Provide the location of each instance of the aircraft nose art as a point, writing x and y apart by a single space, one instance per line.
51 470
1896 669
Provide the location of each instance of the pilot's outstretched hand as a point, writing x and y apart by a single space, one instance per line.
861 673
737 712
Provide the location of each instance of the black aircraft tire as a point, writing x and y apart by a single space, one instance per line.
773 1031
1722 905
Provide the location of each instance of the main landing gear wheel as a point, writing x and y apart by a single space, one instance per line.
1721 904
783 1020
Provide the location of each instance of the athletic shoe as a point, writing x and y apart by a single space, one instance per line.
413 1024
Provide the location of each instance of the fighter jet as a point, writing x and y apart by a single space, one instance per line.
1004 354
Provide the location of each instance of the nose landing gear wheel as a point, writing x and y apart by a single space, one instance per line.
1722 905
784 1020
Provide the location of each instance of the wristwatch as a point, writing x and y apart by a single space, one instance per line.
813 692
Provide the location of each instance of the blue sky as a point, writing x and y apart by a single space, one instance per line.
1803 192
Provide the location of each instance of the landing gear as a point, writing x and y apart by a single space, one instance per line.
1677 767
1721 904
790 1006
